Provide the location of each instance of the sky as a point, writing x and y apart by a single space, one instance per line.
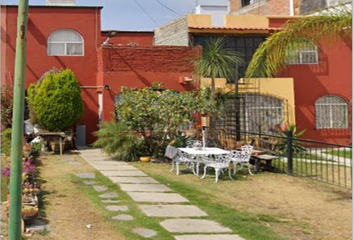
127 15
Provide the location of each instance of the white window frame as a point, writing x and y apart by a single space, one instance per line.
65 43
300 52
330 106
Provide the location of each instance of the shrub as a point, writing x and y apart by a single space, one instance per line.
55 101
6 141
116 140
6 104
158 115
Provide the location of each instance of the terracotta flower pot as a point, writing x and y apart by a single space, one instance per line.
145 159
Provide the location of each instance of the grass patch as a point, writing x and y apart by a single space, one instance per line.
249 226
339 153
125 227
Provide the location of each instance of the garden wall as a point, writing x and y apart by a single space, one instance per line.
138 67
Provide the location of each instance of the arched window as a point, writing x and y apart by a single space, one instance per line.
331 112
304 52
65 42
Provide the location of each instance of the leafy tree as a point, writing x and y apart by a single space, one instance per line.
270 57
217 61
55 101
158 115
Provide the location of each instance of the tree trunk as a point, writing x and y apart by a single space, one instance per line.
213 88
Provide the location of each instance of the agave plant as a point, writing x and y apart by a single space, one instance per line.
296 147
270 57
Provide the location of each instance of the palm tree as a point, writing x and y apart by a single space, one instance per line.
217 61
270 57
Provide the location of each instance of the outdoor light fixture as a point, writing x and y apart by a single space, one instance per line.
204 127
109 36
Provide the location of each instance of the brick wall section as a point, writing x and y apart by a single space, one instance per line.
173 34
263 7
149 59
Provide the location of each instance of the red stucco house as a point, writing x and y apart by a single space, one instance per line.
71 37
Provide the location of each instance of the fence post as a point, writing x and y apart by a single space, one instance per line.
289 152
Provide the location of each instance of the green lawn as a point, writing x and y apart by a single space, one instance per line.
339 153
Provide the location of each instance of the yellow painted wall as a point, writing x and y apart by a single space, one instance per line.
282 88
199 20
233 21
246 21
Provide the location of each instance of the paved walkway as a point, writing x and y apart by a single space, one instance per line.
155 200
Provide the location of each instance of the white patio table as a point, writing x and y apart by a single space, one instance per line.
199 152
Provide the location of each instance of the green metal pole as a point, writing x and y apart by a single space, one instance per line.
17 124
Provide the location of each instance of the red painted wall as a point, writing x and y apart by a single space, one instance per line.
123 38
42 22
139 67
332 76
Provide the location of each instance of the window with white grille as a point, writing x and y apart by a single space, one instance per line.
331 113
303 52
65 42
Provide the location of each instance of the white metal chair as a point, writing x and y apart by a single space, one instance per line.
242 158
247 148
193 143
182 157
219 163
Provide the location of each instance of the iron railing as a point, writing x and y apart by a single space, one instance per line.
321 161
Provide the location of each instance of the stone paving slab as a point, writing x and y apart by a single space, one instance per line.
157 197
38 226
114 208
108 163
144 232
105 168
123 217
144 188
123 173
125 168
209 237
100 188
172 211
193 226
85 175
111 201
89 183
133 180
109 195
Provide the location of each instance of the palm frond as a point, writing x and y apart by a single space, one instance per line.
270 57
217 61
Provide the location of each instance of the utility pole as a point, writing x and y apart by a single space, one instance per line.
17 124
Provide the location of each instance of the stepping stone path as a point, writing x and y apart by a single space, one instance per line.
123 217
144 232
187 221
100 188
172 211
113 208
86 175
109 195
111 201
89 183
